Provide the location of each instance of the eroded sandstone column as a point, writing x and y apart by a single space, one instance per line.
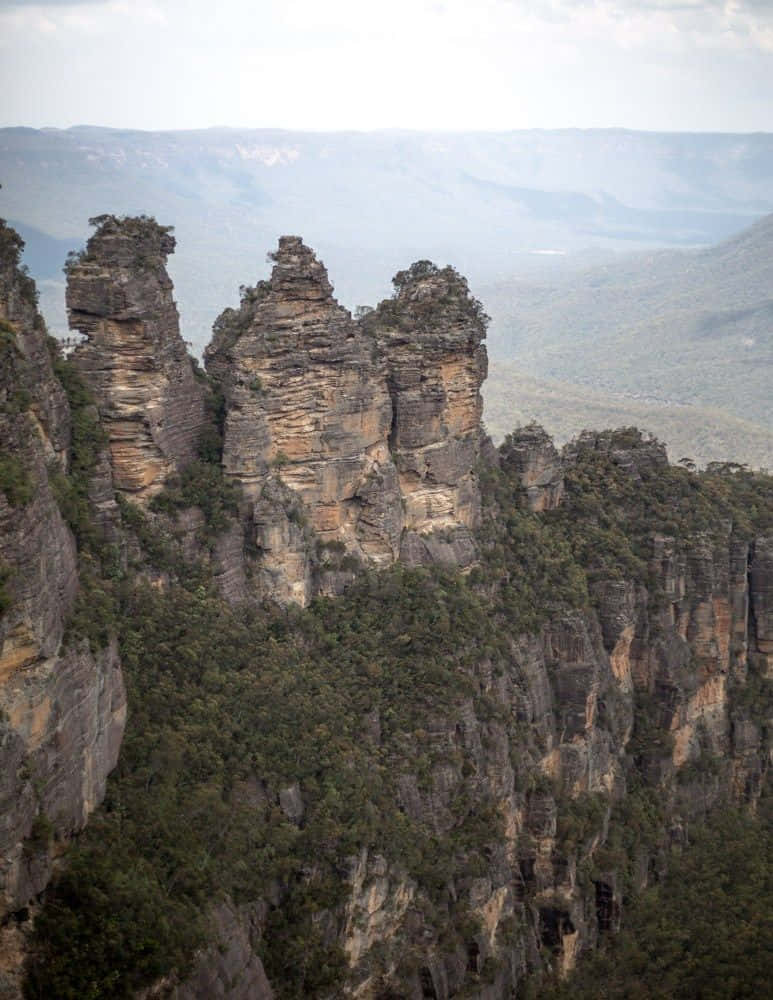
430 334
119 295
307 403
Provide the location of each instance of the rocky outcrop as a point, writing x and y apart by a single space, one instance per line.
374 426
119 296
229 969
431 335
639 457
357 443
531 453
62 705
307 411
353 442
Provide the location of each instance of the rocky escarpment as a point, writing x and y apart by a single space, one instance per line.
442 783
624 723
618 723
430 334
551 729
689 640
119 296
62 705
373 426
307 410
530 452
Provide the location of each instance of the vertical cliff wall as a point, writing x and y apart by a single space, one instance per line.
307 404
532 736
119 296
430 335
62 706
373 426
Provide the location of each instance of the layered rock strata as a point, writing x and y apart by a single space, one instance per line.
531 452
306 403
119 296
430 334
374 425
62 706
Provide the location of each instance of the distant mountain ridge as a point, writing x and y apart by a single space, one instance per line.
670 328
369 201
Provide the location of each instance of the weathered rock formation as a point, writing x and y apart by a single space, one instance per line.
374 426
62 706
430 334
306 405
229 969
531 452
119 296
357 442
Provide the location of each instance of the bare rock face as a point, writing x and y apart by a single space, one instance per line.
229 969
430 334
762 605
373 426
530 451
119 296
307 405
62 706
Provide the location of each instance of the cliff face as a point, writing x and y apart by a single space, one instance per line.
658 682
550 729
62 706
119 296
373 426
445 816
430 334
306 403
531 453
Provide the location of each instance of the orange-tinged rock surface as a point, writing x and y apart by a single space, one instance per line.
119 295
62 707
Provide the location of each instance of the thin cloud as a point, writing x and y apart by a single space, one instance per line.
50 3
678 64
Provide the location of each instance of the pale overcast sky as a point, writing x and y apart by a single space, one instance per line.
337 64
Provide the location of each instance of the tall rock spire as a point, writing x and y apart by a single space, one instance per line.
119 295
430 334
307 404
